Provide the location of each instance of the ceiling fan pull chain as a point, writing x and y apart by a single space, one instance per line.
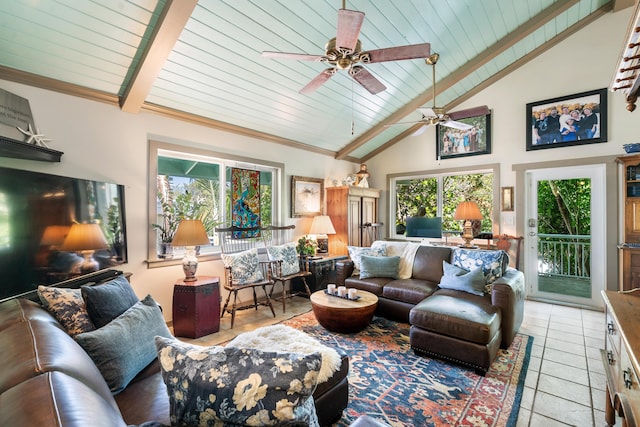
353 124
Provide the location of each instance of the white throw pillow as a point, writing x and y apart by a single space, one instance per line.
287 253
245 266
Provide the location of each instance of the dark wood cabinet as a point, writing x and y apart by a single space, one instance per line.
196 307
323 272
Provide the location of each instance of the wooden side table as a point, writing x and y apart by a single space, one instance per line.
196 307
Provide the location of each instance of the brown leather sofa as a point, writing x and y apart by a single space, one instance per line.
448 324
47 379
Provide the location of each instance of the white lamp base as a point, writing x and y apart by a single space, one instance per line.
190 264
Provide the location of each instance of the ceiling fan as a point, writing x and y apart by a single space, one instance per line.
438 115
344 52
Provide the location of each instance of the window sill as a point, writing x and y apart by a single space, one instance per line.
177 260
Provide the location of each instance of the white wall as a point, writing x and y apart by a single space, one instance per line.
585 61
102 143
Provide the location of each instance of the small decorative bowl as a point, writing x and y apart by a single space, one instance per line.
631 148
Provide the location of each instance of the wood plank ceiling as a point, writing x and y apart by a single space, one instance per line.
201 60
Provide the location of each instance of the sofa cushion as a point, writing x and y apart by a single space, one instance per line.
356 252
458 314
68 307
109 300
245 266
493 263
459 279
427 264
375 285
287 253
379 266
409 290
207 385
125 346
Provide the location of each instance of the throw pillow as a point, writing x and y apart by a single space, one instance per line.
68 307
245 266
109 300
126 345
379 266
356 252
492 262
287 253
459 279
210 385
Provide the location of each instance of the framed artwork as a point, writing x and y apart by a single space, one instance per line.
476 140
567 120
307 196
245 197
507 199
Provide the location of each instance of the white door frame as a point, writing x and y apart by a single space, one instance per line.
597 174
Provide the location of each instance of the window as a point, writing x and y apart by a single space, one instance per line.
191 183
438 195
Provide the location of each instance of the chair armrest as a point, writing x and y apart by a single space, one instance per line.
344 269
508 293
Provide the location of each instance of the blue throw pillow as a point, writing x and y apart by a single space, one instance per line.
379 266
241 386
493 262
459 279
126 345
109 300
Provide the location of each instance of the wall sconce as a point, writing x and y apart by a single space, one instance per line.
467 212
320 227
190 233
86 239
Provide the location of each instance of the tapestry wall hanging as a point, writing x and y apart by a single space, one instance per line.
245 196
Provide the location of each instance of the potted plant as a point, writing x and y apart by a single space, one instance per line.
306 247
113 229
174 210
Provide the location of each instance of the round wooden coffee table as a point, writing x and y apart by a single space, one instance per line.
342 315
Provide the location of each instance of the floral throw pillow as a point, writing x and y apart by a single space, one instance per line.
493 263
245 266
235 386
68 307
287 253
356 252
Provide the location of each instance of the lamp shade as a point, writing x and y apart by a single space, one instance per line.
190 232
322 225
83 237
467 210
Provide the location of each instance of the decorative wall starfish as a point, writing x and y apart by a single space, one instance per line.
36 137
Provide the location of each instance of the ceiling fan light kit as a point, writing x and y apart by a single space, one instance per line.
344 52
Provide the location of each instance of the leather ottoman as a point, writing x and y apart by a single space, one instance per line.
462 329
332 396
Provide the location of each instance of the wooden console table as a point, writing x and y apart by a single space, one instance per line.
620 356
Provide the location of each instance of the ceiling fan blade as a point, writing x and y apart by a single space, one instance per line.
297 56
427 112
397 53
483 110
456 125
403 123
367 80
318 81
349 24
420 131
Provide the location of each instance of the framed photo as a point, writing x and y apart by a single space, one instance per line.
507 199
451 142
567 120
307 196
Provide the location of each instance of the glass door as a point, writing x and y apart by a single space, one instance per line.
564 239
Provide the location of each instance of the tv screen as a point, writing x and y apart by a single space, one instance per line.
36 213
419 226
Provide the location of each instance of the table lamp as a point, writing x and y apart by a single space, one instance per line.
467 212
190 233
320 227
86 239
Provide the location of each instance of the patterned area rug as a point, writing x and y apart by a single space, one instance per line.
389 382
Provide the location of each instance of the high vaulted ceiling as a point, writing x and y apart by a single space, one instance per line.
201 60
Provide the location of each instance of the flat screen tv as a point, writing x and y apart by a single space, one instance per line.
420 226
36 212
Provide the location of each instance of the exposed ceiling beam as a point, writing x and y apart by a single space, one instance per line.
475 63
174 17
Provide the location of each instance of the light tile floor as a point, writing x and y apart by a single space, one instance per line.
565 383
